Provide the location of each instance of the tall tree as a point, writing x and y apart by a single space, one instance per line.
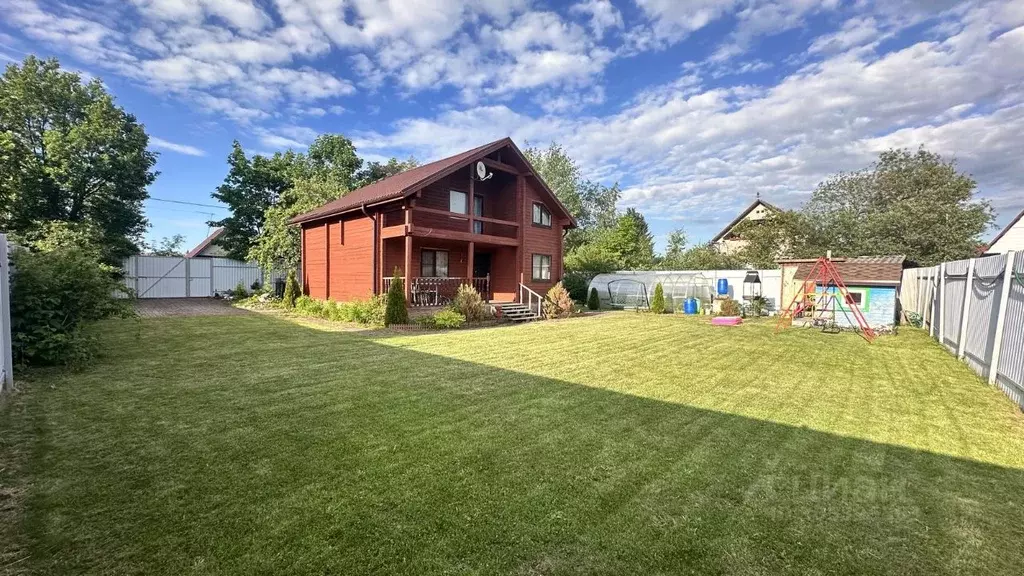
253 185
674 250
912 203
169 246
68 153
632 241
374 171
278 246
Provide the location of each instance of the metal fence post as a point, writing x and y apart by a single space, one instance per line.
942 303
1004 302
188 277
5 316
962 341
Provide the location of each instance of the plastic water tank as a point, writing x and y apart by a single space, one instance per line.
690 306
723 287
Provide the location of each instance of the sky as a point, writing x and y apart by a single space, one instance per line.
693 106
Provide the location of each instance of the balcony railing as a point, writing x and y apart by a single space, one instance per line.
430 291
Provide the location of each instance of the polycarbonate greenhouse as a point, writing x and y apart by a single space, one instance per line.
634 289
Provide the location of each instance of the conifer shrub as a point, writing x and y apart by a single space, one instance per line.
658 302
594 301
395 311
291 291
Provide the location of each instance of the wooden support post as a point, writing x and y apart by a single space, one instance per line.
942 303
471 204
1004 302
470 256
962 340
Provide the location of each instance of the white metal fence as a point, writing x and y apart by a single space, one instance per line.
976 309
176 277
6 355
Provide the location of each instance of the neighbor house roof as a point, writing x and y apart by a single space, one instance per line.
408 182
878 270
743 215
205 243
1006 229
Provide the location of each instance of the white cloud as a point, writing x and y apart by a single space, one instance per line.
173 147
603 15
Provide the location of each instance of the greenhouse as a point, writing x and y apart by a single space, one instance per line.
634 289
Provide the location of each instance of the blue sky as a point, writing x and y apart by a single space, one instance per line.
693 106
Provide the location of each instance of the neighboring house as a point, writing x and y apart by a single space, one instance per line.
208 248
728 241
873 283
440 225
1010 238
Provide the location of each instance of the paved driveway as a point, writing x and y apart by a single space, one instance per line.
159 307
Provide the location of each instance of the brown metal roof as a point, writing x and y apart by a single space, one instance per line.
405 183
205 243
884 270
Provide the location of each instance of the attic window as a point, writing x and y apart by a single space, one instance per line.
541 215
457 202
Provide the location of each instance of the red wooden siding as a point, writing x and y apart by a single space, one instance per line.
346 272
315 260
539 240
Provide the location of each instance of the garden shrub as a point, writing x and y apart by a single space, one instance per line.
309 306
658 302
291 291
55 293
558 303
468 302
367 312
395 311
594 301
449 318
730 307
758 306
239 292
576 283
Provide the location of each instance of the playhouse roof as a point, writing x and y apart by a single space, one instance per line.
861 270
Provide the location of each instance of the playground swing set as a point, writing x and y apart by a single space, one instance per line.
818 300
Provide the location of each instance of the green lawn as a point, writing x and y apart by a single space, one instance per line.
618 444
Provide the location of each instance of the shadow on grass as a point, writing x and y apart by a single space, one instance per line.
250 444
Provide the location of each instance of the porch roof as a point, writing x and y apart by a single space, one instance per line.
408 182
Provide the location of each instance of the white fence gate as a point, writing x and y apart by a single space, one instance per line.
975 308
177 277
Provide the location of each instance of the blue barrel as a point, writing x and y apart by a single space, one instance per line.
690 306
723 287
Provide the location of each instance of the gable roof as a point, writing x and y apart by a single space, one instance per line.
205 243
738 219
877 270
1006 229
408 182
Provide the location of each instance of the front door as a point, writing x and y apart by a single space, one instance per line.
481 264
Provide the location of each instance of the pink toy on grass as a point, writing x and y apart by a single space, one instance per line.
726 320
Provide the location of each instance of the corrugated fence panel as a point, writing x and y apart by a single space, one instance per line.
1010 376
159 276
953 307
199 275
228 273
986 289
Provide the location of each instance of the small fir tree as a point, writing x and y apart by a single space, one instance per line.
658 302
395 311
593 302
291 291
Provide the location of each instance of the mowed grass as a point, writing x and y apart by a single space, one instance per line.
618 444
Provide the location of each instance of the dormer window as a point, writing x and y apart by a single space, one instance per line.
541 215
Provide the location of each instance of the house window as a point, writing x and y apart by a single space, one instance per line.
541 268
457 202
434 264
541 215
858 296
855 298
478 210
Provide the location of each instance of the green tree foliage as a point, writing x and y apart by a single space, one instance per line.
395 312
674 251
374 171
593 301
69 154
707 257
278 245
291 291
912 203
773 237
168 246
58 286
658 301
254 185
632 241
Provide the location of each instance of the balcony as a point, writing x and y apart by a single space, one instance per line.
434 223
430 291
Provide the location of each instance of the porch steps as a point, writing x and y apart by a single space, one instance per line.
516 312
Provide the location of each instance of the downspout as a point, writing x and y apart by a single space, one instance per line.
375 246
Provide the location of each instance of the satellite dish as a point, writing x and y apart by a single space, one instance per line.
481 170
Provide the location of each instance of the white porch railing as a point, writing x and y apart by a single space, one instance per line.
532 300
435 291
